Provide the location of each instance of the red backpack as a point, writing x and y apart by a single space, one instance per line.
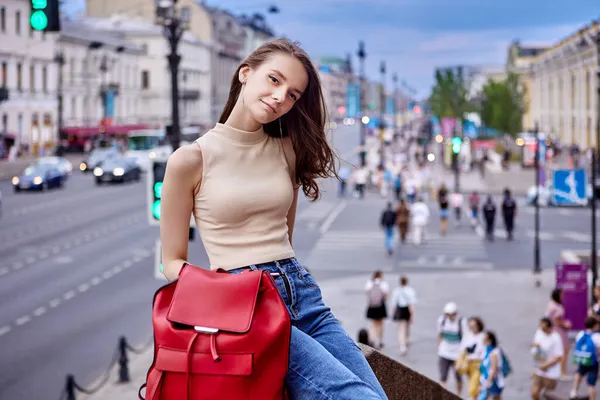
219 336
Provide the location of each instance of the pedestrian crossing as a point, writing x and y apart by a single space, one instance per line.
344 250
556 236
313 214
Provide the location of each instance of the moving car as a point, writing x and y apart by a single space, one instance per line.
96 157
63 165
38 177
117 169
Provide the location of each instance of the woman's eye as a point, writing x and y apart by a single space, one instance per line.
293 96
273 79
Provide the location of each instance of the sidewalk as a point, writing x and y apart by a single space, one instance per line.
513 317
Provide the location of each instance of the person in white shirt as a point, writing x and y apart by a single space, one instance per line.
586 357
472 352
360 177
547 352
403 300
420 217
377 291
450 332
456 202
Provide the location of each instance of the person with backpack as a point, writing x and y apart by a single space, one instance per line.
494 368
509 212
241 182
585 357
377 292
547 351
450 333
388 223
474 203
398 186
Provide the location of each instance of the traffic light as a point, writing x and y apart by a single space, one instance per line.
156 176
456 144
45 15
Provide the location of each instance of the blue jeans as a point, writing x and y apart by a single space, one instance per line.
389 237
325 363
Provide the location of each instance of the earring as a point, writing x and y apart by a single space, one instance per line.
280 128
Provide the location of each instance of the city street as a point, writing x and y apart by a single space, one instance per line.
76 266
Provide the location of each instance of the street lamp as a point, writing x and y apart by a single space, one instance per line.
362 54
537 269
595 167
175 21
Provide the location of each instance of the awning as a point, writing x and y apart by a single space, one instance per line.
86 131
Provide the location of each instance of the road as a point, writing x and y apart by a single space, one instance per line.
76 267
76 273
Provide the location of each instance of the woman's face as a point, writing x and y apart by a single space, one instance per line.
473 326
486 340
272 89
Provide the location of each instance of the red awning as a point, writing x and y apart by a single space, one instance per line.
86 131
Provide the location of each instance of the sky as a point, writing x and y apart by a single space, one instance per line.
414 37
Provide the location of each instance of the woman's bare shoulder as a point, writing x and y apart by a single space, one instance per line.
186 161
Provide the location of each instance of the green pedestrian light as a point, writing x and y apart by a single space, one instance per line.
158 190
156 209
456 144
38 20
156 175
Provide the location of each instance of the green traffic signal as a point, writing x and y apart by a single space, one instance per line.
156 209
456 144
38 20
158 190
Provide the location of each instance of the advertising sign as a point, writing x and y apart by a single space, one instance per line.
572 279
353 100
109 102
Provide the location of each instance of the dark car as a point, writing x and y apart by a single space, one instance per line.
96 158
38 177
117 169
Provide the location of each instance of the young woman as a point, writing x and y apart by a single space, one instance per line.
404 299
377 291
241 180
492 378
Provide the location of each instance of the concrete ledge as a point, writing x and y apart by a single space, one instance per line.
402 383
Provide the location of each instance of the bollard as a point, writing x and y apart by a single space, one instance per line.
123 361
70 388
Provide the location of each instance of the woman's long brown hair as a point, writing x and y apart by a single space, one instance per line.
304 123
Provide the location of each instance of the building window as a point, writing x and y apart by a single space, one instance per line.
145 79
32 78
4 78
19 76
44 79
18 22
3 19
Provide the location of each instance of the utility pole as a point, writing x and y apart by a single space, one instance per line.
60 62
361 53
595 168
537 269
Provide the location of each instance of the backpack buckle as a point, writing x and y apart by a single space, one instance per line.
204 329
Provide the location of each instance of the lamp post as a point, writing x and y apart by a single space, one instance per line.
595 167
59 59
537 269
362 54
175 21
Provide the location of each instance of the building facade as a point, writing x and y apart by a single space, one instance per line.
519 60
230 40
28 118
564 98
257 31
153 74
100 76
334 74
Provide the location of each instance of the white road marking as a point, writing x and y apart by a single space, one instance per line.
4 330
30 260
17 265
3 271
95 280
332 217
577 236
54 303
69 295
39 311
43 254
127 264
83 287
107 274
23 320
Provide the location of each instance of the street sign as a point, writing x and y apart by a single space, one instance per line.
570 187
353 100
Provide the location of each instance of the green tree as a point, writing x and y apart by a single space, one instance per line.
449 94
503 105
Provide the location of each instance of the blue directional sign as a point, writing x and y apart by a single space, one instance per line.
353 100
570 187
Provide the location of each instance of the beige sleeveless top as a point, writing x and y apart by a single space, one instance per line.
244 197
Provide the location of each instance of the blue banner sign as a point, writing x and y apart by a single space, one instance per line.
353 100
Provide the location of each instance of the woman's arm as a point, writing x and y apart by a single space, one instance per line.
493 367
182 180
290 158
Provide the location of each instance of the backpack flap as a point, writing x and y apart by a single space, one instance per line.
209 300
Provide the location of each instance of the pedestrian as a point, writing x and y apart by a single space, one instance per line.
403 219
456 200
344 177
556 313
403 301
594 310
377 293
388 223
509 212
398 186
585 355
241 181
472 352
443 201
489 216
420 218
492 369
361 176
474 204
450 332
547 352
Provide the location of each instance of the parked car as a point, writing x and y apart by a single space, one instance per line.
117 169
63 165
38 177
96 157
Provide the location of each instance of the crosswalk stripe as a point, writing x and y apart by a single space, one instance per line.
577 236
464 265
